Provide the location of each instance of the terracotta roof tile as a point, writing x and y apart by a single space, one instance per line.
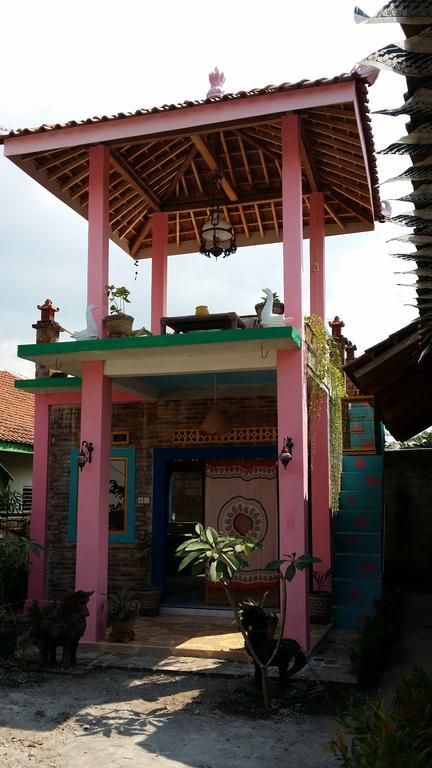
16 411
188 103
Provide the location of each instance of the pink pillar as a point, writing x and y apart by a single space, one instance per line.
159 270
291 389
317 255
93 487
38 523
98 233
320 462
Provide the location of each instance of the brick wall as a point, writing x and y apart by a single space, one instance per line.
150 426
408 518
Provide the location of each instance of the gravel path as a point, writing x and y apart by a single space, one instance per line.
111 718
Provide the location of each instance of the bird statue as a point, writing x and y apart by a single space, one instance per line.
268 319
91 332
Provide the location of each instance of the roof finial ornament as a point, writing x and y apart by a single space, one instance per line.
217 80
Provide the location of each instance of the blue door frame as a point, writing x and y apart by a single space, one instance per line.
161 457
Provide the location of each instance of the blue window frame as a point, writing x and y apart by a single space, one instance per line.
122 495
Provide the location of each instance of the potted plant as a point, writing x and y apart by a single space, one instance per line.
320 598
118 324
122 615
148 595
270 616
278 306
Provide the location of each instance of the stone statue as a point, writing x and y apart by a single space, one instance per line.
60 625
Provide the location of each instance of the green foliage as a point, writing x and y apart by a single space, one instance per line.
10 502
370 654
320 580
14 554
276 298
399 736
289 566
122 604
222 555
117 298
327 373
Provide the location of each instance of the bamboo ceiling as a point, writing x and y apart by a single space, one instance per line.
175 173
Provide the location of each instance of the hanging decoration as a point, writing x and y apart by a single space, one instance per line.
217 234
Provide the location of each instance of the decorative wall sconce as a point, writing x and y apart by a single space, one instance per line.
285 455
85 454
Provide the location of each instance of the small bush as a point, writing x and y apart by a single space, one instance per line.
380 633
397 737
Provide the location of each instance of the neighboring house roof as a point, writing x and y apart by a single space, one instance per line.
165 159
391 373
16 412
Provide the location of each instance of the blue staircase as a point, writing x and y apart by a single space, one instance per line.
357 540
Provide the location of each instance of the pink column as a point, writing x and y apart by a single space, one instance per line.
291 389
320 462
98 233
93 486
159 270
38 523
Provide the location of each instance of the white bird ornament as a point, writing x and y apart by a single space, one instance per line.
268 319
91 332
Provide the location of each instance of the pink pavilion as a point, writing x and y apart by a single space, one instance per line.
291 162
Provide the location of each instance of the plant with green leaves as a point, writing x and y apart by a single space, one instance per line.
399 734
117 299
122 604
225 556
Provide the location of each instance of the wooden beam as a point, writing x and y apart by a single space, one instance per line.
134 180
200 203
214 166
333 215
307 162
142 234
345 199
258 145
180 173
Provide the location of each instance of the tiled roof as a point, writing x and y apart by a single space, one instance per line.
185 104
16 411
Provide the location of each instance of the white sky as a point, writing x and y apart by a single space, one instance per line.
66 60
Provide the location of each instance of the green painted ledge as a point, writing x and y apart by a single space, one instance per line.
168 340
6 445
51 382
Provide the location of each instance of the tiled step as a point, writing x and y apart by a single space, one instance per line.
361 521
364 567
362 464
361 481
354 592
360 500
357 543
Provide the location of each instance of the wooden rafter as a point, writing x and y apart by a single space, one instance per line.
142 234
134 180
259 145
228 157
201 203
212 163
133 221
355 209
180 173
333 215
245 160
244 222
307 162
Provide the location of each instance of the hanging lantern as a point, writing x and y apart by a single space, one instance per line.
217 236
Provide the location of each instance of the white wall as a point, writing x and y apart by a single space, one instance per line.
20 467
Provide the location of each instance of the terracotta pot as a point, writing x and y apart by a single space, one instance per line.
122 630
201 310
118 326
278 308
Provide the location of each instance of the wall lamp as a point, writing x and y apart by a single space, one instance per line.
285 455
85 454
